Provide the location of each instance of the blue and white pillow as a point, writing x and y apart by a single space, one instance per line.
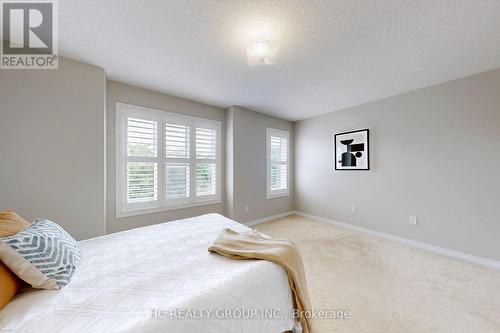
43 255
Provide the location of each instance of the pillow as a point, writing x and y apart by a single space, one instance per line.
10 285
43 255
11 223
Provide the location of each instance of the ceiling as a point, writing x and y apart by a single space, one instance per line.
333 53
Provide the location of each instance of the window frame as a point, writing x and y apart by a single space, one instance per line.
124 209
272 194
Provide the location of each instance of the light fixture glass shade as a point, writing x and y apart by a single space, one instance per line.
262 52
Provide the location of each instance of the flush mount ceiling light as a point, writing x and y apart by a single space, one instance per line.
262 52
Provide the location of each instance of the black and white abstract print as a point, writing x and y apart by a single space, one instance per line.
351 150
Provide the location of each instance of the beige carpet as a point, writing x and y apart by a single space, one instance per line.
387 286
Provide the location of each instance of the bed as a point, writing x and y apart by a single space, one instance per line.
160 278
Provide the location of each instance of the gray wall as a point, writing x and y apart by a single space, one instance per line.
246 165
52 127
435 153
120 92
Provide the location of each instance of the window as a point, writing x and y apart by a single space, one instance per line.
278 164
165 161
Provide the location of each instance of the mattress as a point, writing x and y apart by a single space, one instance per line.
160 278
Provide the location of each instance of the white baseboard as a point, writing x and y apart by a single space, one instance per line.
423 246
267 219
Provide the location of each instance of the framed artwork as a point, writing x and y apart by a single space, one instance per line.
351 150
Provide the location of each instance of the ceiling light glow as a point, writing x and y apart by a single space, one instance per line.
262 52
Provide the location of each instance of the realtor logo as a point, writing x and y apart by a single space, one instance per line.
29 34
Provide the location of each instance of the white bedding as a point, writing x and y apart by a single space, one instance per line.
124 276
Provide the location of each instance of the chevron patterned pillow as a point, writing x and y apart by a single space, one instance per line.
43 255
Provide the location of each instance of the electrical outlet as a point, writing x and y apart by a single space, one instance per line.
245 208
413 220
354 209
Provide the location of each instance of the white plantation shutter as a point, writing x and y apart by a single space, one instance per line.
205 179
277 143
279 175
177 141
206 139
177 153
177 180
141 135
279 148
142 182
279 152
206 153
164 160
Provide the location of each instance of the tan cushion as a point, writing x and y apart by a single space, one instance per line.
10 283
11 223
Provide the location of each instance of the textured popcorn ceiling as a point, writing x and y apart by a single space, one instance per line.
333 54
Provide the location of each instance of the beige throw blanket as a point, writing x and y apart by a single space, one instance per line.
255 245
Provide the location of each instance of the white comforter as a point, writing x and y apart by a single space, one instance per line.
127 276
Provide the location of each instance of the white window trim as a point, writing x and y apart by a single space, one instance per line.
276 193
122 208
